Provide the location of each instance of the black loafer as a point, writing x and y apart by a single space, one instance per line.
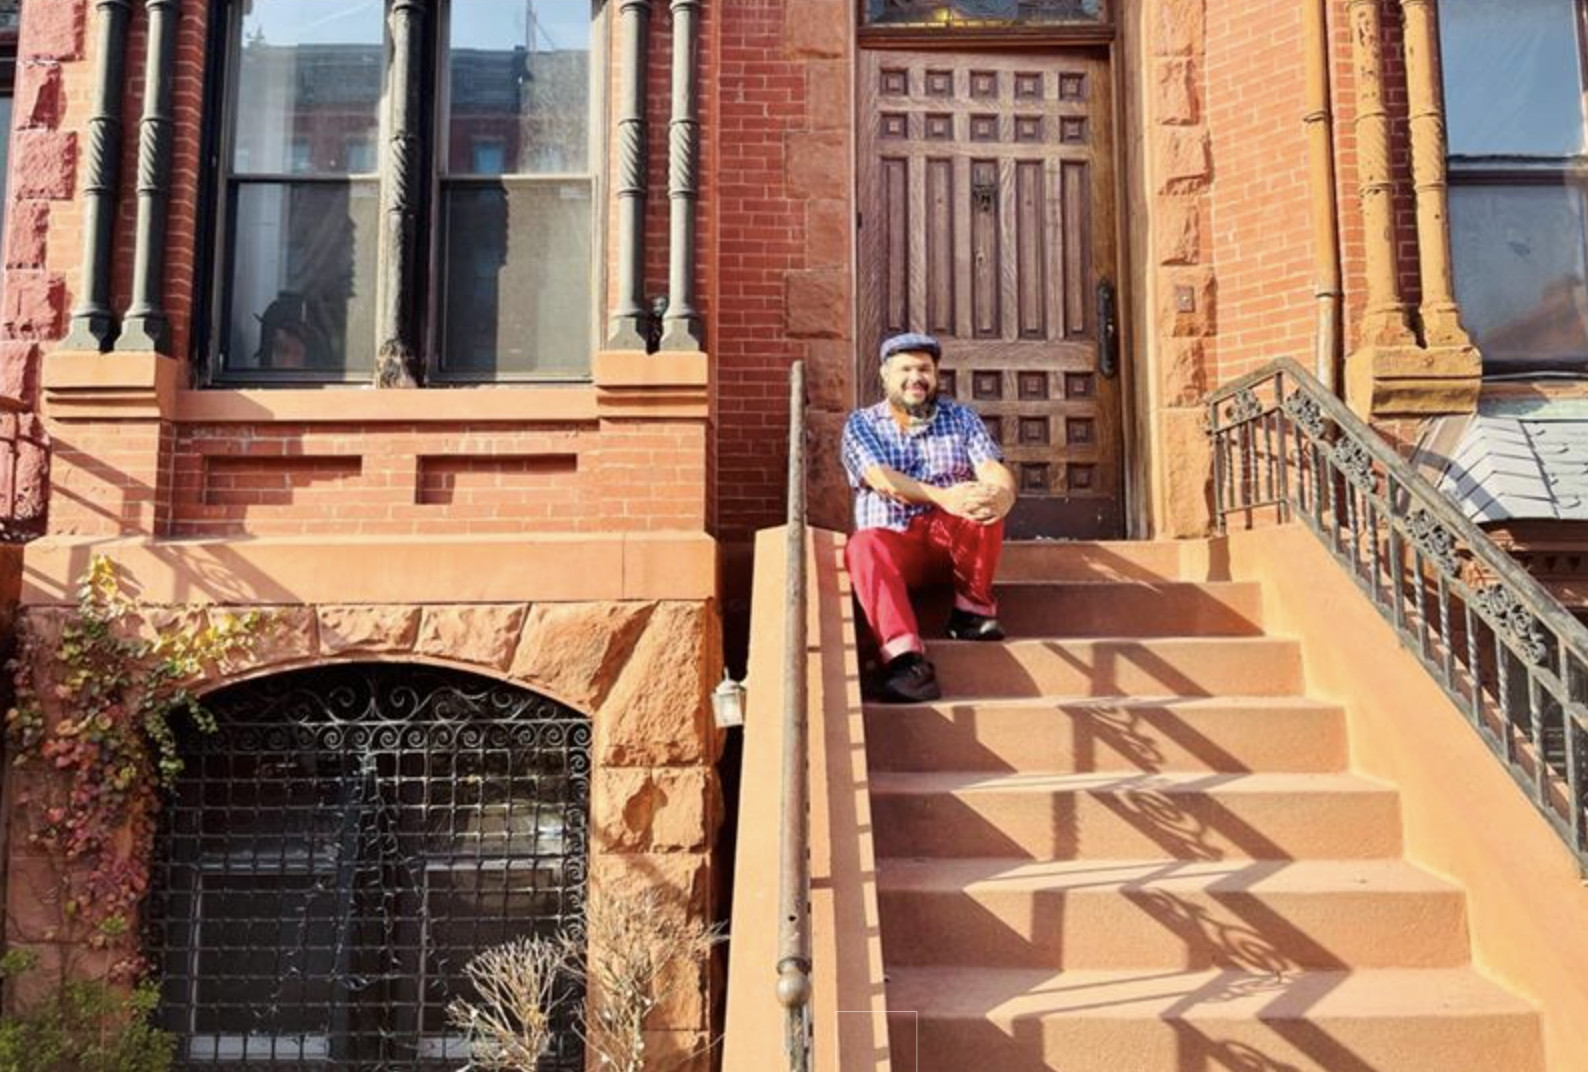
965 625
911 679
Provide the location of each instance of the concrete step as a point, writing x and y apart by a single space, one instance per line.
1262 917
1178 666
1129 608
1183 816
1120 733
1413 1020
1086 560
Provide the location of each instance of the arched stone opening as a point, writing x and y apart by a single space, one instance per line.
339 848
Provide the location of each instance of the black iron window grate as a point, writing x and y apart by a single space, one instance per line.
341 848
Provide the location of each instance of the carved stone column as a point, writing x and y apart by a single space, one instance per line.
1386 321
397 256
682 326
1425 95
631 319
93 326
146 326
1391 375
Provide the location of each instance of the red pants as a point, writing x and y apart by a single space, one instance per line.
938 547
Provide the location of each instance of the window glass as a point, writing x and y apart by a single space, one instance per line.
919 12
518 199
308 84
1520 272
303 278
1513 77
519 80
518 264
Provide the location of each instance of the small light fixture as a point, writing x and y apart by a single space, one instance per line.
727 703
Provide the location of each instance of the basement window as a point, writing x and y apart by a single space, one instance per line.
1514 84
340 848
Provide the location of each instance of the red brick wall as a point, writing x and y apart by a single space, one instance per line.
1260 196
784 210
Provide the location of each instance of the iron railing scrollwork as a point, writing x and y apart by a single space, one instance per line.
1509 655
794 885
342 845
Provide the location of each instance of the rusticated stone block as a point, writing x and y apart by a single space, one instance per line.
1176 99
573 651
1187 300
830 374
816 303
34 305
655 715
1188 468
1179 27
817 164
19 362
365 628
484 635
53 30
43 164
1185 161
683 880
1185 373
38 96
828 226
827 97
830 500
27 234
816 28
289 636
1177 231
639 810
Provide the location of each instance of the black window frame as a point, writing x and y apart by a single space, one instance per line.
1513 172
216 261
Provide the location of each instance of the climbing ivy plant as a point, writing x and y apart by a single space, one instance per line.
94 723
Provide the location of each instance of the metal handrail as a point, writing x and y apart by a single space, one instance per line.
1511 657
794 946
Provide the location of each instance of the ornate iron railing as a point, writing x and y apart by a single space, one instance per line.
1509 655
794 886
342 845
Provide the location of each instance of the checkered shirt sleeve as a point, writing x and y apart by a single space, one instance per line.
944 453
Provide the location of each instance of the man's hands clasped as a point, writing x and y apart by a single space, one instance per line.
977 501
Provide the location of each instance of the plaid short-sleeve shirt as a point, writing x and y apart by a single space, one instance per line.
943 452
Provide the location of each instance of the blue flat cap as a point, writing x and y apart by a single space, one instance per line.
911 341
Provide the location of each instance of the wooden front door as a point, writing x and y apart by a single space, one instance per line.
987 219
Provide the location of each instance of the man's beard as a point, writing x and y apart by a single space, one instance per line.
919 412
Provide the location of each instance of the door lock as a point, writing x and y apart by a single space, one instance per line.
1107 331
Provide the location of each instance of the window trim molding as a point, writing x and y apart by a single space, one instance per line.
216 252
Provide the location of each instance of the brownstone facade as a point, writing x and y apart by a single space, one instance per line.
588 540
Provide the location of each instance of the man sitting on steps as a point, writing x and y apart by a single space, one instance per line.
931 495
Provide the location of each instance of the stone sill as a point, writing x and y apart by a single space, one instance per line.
146 386
296 570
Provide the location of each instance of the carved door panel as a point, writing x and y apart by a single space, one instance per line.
987 219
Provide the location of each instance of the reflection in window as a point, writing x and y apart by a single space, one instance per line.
940 12
1519 233
302 234
1513 84
518 194
510 211
1521 277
